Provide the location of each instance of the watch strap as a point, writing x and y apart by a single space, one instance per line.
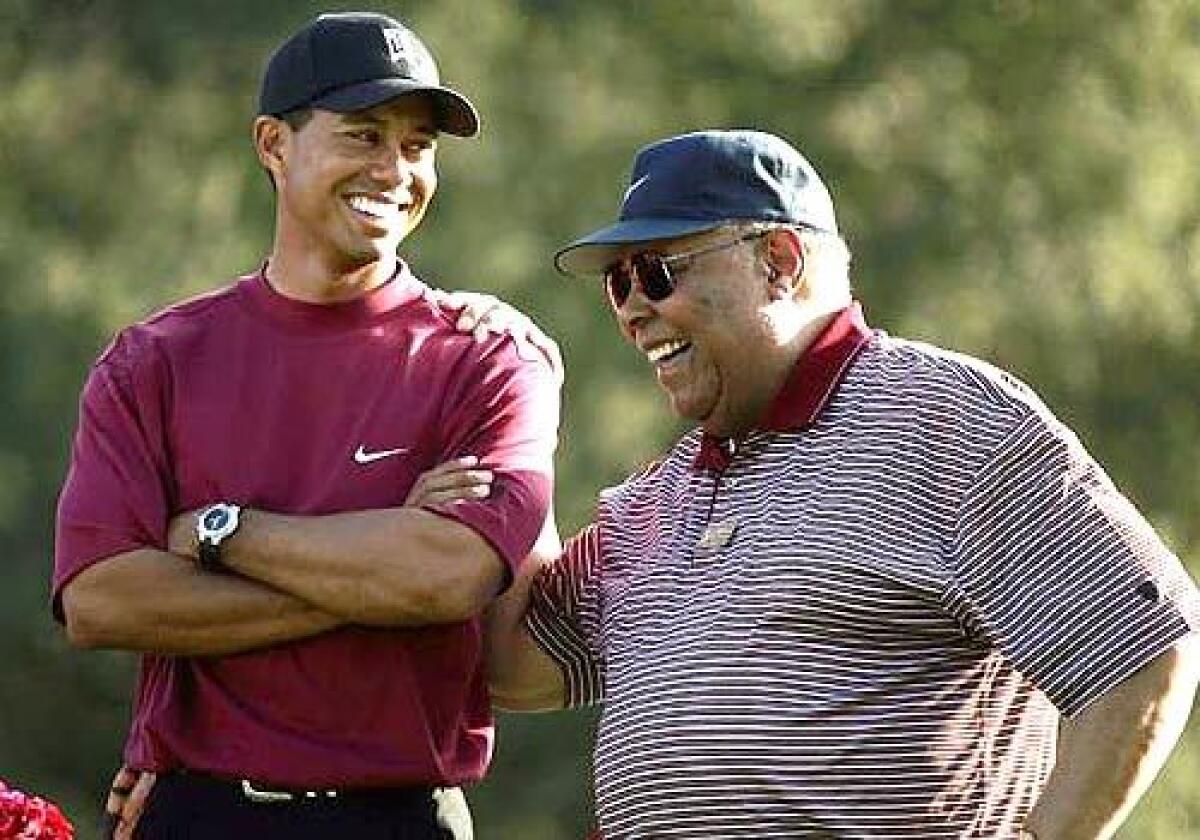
208 556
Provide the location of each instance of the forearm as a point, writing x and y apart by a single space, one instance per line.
152 601
1109 755
521 676
390 567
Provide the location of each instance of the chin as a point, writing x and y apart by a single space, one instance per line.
690 411
712 420
362 256
376 247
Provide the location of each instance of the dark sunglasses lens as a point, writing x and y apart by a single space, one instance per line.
657 283
618 282
651 274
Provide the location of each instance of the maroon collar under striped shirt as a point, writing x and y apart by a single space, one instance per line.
809 385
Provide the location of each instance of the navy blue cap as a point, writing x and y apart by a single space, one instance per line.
356 60
700 181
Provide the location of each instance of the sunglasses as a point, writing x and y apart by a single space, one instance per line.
652 271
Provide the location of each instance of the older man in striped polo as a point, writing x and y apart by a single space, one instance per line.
879 591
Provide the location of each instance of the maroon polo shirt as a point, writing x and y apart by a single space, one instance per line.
247 396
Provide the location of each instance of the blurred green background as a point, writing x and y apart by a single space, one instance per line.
1017 179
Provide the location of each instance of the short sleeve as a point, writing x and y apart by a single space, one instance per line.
505 412
564 616
1059 572
116 494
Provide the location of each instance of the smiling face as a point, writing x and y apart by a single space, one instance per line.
351 186
712 342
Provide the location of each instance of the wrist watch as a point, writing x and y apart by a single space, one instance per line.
215 524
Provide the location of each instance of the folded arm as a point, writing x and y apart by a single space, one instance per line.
393 567
149 600
401 566
162 602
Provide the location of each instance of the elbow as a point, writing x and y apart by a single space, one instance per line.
1175 672
82 618
474 592
453 578
1184 665
84 638
458 597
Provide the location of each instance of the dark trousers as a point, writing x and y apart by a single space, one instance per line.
186 806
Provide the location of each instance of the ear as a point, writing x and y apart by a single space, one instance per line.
272 137
785 262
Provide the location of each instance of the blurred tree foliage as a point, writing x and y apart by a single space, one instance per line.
1018 179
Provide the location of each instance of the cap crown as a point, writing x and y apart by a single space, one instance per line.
697 182
338 50
722 175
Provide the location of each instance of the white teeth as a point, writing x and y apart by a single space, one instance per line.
366 204
659 352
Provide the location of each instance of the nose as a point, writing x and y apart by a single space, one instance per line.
634 312
389 168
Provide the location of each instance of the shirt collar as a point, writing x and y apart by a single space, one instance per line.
807 390
364 310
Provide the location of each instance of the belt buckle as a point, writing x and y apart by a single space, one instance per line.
263 795
267 796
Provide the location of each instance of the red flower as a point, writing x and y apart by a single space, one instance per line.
25 817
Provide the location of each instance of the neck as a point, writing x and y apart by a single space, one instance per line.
311 279
794 331
806 331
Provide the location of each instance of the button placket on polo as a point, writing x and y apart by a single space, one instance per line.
720 522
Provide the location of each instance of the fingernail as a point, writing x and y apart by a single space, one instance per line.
469 460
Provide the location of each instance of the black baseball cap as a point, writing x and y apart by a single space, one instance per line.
700 181
351 61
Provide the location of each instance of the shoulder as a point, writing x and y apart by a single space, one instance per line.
143 344
912 402
648 476
933 379
498 355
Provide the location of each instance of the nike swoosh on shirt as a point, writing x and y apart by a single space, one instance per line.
362 456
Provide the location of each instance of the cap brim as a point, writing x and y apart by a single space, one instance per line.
455 114
593 253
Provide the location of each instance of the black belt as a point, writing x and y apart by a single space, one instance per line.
264 794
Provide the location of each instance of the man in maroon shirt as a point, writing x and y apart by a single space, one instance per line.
236 509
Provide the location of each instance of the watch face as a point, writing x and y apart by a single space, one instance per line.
215 519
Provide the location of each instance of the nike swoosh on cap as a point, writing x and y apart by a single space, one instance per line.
633 187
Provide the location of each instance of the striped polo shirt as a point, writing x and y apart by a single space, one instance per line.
862 619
